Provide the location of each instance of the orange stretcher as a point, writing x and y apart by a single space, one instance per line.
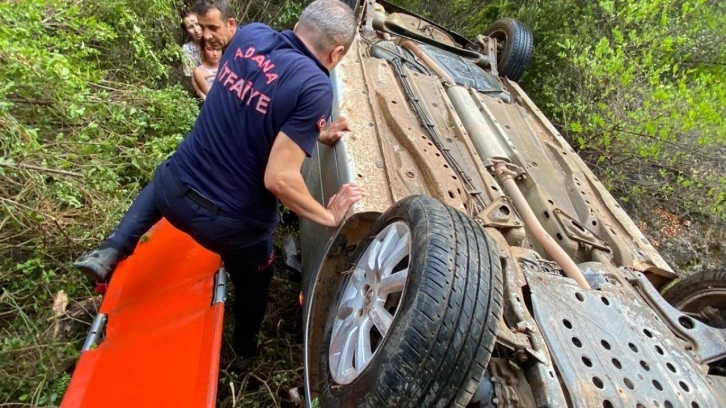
157 337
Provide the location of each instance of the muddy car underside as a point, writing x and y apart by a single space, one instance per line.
523 241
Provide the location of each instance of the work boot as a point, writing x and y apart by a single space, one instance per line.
98 264
245 355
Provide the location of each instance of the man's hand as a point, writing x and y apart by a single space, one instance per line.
343 199
333 132
283 179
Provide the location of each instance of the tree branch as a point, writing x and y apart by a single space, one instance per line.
21 166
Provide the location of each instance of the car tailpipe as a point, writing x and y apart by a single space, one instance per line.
506 179
416 50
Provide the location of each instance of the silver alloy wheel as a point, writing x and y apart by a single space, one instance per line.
369 302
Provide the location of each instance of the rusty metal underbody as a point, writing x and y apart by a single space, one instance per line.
610 349
393 153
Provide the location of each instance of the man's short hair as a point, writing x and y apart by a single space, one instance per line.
330 23
202 7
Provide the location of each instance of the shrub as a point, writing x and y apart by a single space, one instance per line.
85 115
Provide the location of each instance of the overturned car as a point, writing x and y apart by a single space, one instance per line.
487 265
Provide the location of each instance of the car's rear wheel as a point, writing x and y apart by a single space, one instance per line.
413 323
515 45
702 296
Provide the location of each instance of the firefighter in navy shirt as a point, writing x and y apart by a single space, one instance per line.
263 117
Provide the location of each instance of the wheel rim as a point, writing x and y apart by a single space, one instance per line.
501 39
704 303
369 302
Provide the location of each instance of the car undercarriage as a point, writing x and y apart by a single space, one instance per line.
487 265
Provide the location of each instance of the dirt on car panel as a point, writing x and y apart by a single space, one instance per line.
362 143
414 166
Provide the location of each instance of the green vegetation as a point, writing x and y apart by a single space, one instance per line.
638 88
90 104
85 115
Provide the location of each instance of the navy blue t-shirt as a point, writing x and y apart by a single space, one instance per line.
267 82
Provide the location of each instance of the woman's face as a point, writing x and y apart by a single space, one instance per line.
192 26
212 54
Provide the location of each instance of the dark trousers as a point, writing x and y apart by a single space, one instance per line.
246 250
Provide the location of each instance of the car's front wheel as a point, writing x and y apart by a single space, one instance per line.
414 320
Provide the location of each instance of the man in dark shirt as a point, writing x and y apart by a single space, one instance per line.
261 119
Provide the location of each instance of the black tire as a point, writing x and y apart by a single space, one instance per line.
699 290
441 337
515 46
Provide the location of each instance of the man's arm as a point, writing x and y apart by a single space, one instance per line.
283 179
